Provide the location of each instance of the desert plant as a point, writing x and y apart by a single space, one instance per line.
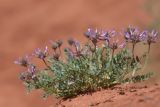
102 62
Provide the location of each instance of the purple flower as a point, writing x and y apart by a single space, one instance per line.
78 51
92 35
71 41
73 54
112 33
75 43
107 35
23 61
152 37
133 35
56 56
59 42
115 45
97 35
26 76
54 45
104 36
32 69
123 45
30 74
41 54
69 52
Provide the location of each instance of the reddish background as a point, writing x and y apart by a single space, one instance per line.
28 24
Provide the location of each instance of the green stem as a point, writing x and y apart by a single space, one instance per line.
111 62
112 54
147 58
102 58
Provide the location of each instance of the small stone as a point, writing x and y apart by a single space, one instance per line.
95 104
141 100
133 90
145 86
156 84
122 93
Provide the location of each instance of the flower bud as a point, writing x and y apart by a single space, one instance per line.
23 61
41 54
26 76
55 45
56 56
59 42
71 41
123 45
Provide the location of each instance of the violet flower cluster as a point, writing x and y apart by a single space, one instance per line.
134 36
92 66
31 68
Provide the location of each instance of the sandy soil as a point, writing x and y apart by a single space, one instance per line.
119 96
28 24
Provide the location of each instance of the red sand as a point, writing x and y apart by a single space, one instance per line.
28 24
119 96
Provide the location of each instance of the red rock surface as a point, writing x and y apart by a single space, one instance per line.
28 24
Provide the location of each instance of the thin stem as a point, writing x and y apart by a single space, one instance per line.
75 47
95 45
133 48
59 50
147 58
102 57
95 51
112 54
149 48
111 62
46 63
54 51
